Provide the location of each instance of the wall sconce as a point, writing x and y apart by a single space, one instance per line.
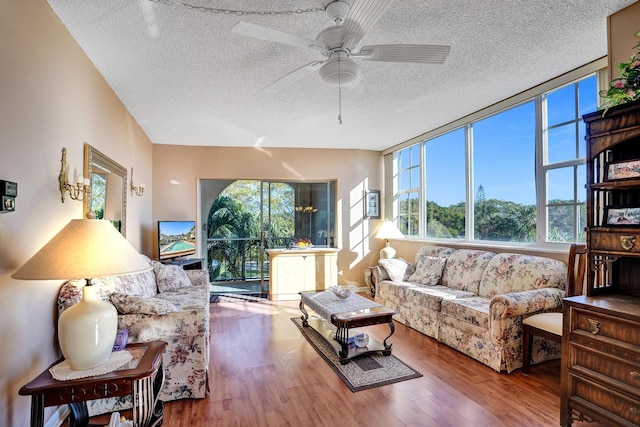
77 191
139 190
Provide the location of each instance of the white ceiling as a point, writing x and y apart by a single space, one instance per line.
188 80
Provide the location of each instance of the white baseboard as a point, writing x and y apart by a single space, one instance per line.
57 418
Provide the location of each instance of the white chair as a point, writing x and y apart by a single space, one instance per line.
549 325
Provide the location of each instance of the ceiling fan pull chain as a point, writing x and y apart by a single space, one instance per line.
339 94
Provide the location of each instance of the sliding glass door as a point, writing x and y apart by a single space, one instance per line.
246 217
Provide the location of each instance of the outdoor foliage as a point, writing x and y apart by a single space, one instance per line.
234 218
499 220
228 219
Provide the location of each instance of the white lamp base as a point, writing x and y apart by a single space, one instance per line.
387 252
87 331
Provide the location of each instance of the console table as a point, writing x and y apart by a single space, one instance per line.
301 269
346 314
141 378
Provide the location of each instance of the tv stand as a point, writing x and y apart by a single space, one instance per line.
187 263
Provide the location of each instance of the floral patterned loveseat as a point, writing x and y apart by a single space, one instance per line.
166 303
473 300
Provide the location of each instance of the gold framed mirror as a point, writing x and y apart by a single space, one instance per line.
107 197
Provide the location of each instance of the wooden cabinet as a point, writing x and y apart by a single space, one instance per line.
601 360
601 336
295 270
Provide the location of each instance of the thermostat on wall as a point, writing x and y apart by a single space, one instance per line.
8 194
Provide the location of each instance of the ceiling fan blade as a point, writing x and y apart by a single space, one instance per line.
361 17
264 33
293 77
422 53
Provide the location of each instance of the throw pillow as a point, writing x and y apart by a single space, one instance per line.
398 269
428 270
133 304
170 277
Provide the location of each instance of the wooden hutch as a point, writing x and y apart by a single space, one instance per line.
601 337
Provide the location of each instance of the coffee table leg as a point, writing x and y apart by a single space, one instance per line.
392 327
305 315
342 336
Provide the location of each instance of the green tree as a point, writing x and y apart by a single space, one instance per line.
229 219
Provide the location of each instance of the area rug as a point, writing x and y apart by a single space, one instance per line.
363 372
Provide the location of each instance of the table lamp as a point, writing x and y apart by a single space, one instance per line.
84 249
388 230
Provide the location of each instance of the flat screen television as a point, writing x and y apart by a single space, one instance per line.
176 239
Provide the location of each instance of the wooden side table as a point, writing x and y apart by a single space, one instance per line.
137 378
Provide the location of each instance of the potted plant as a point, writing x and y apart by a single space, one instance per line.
625 88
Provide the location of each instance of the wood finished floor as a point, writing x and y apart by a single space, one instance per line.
264 373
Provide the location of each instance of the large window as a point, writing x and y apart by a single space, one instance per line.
504 176
563 164
445 186
408 184
516 175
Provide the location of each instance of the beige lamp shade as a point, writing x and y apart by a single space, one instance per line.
84 249
388 230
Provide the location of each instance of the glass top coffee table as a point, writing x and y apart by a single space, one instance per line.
346 314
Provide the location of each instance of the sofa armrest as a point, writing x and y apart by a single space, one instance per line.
378 274
198 277
525 302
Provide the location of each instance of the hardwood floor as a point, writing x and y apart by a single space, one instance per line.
264 373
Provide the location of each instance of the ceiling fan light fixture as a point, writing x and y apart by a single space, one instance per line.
339 71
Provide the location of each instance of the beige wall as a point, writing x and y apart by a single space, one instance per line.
177 170
51 96
621 28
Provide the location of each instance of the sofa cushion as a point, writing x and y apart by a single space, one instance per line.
140 284
132 304
437 251
474 310
431 296
507 273
397 269
170 277
464 269
428 270
190 298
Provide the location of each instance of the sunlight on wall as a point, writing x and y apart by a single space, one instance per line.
358 226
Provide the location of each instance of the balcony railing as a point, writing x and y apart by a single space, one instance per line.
239 259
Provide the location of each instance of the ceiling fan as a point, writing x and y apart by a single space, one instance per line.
338 44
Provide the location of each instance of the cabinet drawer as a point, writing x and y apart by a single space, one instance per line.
602 326
615 403
617 242
618 369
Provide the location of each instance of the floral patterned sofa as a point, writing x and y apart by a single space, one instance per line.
166 303
473 300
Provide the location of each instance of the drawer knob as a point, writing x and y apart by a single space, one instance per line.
627 242
594 326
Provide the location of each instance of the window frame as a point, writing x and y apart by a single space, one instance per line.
542 166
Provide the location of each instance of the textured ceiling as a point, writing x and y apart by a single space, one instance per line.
188 80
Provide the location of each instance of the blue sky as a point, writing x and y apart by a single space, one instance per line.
504 150
176 227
